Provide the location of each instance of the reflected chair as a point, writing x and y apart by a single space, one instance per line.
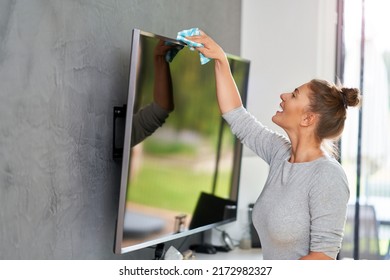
368 235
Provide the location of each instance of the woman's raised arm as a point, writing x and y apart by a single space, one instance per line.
227 93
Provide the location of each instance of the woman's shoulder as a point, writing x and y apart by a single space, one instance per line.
330 175
329 164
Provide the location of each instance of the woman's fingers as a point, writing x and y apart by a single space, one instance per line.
210 48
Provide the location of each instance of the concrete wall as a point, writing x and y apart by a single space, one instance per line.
63 66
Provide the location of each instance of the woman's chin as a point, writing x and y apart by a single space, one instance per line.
275 118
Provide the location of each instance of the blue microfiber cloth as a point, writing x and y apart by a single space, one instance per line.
181 36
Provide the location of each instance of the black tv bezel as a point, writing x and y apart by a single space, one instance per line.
134 59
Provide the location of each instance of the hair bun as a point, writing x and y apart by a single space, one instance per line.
352 96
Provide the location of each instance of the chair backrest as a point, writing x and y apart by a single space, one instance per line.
368 234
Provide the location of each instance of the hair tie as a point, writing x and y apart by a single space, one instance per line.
344 100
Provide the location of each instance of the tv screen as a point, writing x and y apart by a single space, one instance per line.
180 170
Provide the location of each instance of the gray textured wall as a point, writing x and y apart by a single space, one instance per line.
63 66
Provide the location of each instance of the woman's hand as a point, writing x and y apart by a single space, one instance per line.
210 48
227 93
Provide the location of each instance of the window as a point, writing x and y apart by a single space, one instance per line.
365 59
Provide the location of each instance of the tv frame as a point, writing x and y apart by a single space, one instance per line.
134 60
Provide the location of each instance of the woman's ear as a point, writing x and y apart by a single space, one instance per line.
308 119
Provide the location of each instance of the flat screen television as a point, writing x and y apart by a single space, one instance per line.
183 177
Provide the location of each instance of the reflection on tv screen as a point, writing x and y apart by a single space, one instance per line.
192 154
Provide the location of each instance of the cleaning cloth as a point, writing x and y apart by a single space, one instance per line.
181 36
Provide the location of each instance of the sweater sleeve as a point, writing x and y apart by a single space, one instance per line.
146 121
328 201
265 143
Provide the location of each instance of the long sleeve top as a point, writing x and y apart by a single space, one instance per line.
146 121
302 206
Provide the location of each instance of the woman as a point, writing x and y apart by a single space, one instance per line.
301 211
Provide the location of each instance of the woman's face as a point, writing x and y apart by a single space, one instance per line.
294 106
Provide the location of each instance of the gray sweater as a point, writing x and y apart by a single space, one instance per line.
146 121
302 207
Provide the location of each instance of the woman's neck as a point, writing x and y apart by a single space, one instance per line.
305 149
306 156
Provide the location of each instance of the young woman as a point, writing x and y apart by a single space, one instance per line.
301 211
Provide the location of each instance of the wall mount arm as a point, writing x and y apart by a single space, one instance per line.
119 117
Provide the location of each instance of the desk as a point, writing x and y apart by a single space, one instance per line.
236 254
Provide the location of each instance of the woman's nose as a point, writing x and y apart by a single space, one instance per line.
283 96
